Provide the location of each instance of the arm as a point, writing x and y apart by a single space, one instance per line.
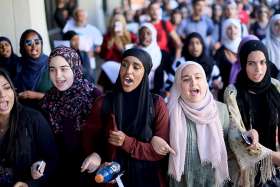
144 151
178 44
31 95
45 146
91 131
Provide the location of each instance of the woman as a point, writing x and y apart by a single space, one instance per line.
122 125
253 103
67 106
196 131
32 79
148 42
8 59
226 57
272 40
259 27
25 139
117 39
195 50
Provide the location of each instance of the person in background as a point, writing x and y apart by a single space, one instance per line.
164 32
216 36
124 126
195 50
67 106
32 80
61 14
272 40
148 42
198 22
226 56
8 59
74 39
259 27
91 37
26 141
117 39
132 25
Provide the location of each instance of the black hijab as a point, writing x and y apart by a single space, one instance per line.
134 110
204 60
264 93
10 63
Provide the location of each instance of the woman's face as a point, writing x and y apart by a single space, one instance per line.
33 45
256 66
61 73
131 73
7 97
195 47
232 31
5 49
194 84
145 37
276 28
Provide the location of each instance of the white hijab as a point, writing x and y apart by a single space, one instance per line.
272 42
231 45
210 139
153 49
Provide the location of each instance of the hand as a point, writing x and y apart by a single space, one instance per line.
275 158
91 163
20 184
116 138
253 134
160 146
37 169
217 84
30 95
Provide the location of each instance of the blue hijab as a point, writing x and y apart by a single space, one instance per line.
30 70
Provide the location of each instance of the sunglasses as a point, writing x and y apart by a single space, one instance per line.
30 42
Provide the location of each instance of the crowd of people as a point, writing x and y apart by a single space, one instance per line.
188 96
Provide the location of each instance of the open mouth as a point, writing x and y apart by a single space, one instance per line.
4 106
127 81
195 92
60 83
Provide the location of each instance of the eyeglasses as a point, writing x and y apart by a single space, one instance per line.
30 42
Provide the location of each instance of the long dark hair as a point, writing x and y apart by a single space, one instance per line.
12 151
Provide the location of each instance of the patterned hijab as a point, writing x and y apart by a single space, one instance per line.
74 103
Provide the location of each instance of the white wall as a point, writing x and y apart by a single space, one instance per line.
19 15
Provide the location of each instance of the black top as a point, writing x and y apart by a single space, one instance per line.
39 145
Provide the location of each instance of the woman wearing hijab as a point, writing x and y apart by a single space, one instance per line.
194 50
148 42
253 103
8 59
67 105
272 40
123 125
32 80
226 56
26 142
196 131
